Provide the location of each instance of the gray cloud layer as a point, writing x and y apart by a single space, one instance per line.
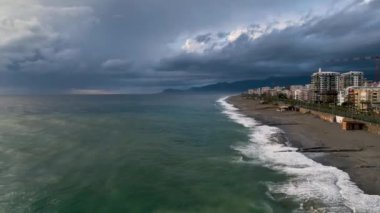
297 49
49 46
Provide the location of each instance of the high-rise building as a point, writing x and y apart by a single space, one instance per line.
351 79
325 86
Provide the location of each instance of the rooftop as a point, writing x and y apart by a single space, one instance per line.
353 72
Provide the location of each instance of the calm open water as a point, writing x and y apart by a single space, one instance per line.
133 153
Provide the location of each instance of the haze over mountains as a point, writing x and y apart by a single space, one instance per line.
240 86
244 85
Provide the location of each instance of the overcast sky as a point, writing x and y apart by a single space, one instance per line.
142 46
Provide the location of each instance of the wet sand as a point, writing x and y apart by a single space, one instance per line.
306 131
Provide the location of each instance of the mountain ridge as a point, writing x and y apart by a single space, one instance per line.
244 85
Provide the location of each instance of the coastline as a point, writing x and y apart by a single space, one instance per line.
307 131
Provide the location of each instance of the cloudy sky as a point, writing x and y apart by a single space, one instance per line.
142 46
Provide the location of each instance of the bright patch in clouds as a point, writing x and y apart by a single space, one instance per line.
217 41
115 63
91 92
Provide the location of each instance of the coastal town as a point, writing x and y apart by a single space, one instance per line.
334 120
350 89
347 98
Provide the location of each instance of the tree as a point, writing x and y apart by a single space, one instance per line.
282 96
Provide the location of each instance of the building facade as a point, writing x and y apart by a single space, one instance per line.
351 79
347 96
325 86
367 98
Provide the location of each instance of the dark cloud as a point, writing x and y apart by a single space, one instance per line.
295 50
203 38
50 46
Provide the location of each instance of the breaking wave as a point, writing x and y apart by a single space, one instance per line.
315 186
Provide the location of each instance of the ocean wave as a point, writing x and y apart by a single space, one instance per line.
309 181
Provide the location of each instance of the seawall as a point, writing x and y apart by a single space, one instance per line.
370 127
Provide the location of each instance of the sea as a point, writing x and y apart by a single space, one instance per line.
157 153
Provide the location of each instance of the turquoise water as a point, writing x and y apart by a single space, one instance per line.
143 153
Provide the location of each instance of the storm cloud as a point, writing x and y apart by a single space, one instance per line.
294 48
84 46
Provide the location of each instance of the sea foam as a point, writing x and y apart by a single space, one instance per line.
309 181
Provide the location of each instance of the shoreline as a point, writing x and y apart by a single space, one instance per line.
307 131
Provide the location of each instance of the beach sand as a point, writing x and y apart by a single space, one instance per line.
305 131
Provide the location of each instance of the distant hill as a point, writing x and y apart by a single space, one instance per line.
241 86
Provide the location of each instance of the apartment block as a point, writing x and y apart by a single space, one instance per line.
351 79
325 86
367 98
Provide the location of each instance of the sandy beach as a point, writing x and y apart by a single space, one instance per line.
306 131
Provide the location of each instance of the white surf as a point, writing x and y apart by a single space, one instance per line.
309 181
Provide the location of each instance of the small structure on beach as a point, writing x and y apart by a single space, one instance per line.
339 119
284 108
352 125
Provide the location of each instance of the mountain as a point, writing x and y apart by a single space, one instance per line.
241 86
